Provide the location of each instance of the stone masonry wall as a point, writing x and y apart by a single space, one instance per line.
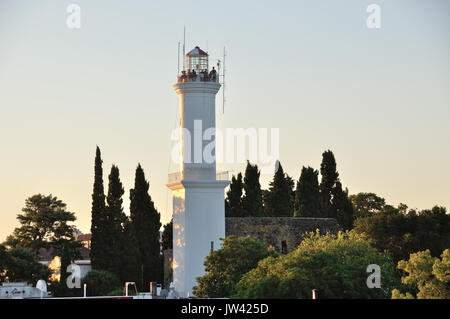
272 231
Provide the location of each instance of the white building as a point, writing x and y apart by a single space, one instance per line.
198 195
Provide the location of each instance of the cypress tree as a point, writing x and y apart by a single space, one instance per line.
307 194
291 184
98 256
66 260
330 177
167 236
233 202
341 207
252 201
115 219
278 201
146 221
130 265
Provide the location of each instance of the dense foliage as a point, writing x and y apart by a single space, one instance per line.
146 223
334 199
252 201
278 201
335 265
45 223
22 264
100 282
167 236
428 277
98 253
307 194
308 199
225 267
112 226
403 233
233 202
367 204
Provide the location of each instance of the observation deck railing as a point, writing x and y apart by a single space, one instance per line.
176 177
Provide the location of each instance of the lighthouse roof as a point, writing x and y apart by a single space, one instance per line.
196 52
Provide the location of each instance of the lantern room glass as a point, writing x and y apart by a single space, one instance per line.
197 62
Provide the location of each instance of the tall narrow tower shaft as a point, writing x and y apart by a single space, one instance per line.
198 196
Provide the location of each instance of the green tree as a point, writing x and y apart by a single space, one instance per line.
367 204
99 241
428 276
22 264
341 207
100 282
146 221
307 194
44 224
233 202
113 225
3 257
225 267
68 255
330 177
131 263
167 236
334 265
405 233
278 201
252 201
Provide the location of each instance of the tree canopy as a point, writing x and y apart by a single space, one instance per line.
336 265
330 176
307 194
98 253
22 264
233 202
225 267
100 282
252 201
403 233
427 276
367 204
167 236
278 201
45 223
146 222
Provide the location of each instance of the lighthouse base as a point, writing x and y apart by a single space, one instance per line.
198 226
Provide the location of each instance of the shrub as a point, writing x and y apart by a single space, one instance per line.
100 282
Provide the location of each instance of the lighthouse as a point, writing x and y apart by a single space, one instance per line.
197 189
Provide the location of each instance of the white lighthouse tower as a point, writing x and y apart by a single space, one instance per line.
198 191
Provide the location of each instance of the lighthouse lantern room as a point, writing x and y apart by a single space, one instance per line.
197 60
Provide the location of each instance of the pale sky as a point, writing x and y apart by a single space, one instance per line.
378 98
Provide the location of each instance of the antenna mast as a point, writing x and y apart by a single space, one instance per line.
184 48
223 79
178 58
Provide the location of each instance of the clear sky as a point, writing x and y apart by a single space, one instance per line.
378 98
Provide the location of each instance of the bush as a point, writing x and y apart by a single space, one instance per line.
100 283
117 292
225 266
334 265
